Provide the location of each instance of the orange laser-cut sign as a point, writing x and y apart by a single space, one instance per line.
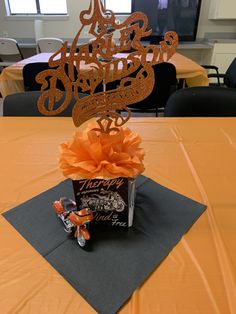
91 68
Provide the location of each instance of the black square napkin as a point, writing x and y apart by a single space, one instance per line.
115 261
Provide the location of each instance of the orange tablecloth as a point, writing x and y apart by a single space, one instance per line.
193 156
11 78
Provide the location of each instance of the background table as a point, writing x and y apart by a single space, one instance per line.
193 156
11 78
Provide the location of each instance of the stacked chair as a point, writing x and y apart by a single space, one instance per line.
9 52
49 44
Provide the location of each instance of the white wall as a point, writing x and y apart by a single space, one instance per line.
21 28
213 26
18 27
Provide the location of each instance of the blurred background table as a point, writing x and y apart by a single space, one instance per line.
11 78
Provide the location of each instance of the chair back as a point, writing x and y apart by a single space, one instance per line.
165 84
9 51
49 44
230 79
202 101
31 70
25 105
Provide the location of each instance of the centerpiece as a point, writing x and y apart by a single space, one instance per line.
103 158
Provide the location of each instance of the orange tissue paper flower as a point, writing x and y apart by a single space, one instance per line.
92 154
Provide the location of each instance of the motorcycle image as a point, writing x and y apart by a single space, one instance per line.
74 220
105 201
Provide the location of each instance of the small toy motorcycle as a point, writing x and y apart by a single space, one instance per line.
73 219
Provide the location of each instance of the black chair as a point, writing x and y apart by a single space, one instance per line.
31 70
227 79
25 105
203 101
165 84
